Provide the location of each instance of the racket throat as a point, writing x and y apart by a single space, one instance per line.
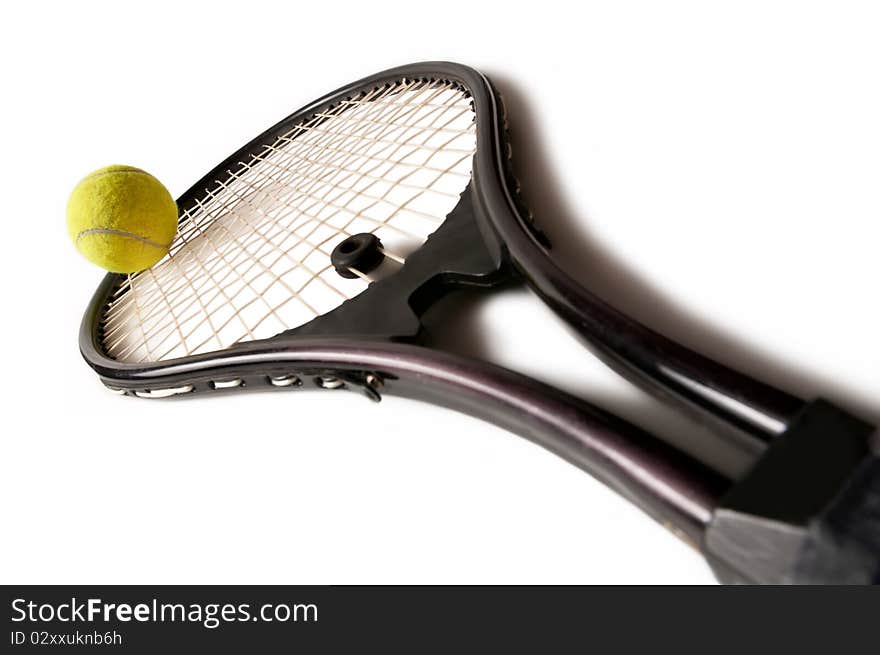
454 257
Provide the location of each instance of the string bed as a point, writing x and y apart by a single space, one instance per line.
252 254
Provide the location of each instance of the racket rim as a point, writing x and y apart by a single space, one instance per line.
486 160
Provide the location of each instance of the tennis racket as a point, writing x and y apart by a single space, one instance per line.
307 259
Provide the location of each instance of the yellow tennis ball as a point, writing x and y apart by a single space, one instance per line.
121 218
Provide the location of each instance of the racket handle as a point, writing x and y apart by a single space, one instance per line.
808 512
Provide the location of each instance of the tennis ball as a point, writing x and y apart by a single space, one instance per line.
121 218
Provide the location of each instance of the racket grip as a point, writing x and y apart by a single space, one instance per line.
808 512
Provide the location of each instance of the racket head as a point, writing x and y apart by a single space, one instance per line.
467 248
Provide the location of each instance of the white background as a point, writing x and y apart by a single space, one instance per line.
710 168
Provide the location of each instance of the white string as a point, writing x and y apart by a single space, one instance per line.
252 255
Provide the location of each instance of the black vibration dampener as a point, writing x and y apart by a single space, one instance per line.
361 252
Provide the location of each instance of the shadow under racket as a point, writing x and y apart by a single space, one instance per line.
460 329
611 279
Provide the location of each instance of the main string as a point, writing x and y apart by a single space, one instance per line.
252 254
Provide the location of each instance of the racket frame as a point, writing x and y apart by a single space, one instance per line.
370 343
470 251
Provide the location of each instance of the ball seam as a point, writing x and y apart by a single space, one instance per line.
121 233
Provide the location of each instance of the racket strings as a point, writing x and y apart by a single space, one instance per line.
207 211
236 241
252 254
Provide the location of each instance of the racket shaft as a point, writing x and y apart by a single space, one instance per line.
748 409
675 489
